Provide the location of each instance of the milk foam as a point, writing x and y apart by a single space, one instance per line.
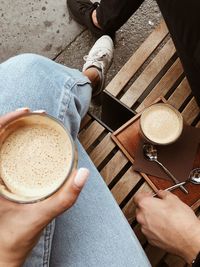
161 124
34 160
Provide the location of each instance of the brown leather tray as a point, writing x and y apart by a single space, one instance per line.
127 137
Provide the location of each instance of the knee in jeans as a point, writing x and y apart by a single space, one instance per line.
27 58
28 63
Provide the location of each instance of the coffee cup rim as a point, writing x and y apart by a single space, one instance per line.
73 159
172 108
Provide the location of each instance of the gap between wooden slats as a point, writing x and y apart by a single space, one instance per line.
198 125
129 208
113 167
125 185
180 94
147 76
163 86
140 236
191 111
88 136
101 151
138 58
174 261
154 254
85 121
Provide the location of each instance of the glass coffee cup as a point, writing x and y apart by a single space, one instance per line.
37 156
161 124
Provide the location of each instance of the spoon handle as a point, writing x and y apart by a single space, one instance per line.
173 187
172 176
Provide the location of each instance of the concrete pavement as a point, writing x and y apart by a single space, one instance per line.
35 26
44 27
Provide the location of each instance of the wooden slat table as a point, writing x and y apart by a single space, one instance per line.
153 71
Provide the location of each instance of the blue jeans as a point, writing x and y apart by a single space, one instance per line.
94 231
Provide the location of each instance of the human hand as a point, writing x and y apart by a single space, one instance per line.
22 224
169 223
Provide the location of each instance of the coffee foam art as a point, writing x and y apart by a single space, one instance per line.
161 124
35 160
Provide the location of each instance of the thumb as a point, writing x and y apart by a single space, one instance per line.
81 178
67 195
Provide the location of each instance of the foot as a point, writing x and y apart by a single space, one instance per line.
81 11
100 57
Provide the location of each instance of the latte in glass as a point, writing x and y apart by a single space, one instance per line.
36 157
161 124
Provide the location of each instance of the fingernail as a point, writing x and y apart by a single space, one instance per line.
81 177
39 111
21 109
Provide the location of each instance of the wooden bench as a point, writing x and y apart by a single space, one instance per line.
153 71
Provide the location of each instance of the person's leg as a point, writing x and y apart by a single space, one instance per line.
111 15
95 233
33 81
183 20
38 83
104 18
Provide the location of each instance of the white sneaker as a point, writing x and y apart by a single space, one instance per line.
100 57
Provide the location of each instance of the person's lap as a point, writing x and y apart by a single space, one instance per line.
93 232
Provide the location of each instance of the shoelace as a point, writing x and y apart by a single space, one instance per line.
99 56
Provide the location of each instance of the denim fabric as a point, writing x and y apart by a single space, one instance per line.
38 83
40 255
94 231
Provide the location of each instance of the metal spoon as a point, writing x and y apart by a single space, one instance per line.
150 153
193 178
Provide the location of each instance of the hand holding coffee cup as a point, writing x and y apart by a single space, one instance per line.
37 155
21 224
161 124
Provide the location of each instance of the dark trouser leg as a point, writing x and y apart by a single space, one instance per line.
112 14
183 20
